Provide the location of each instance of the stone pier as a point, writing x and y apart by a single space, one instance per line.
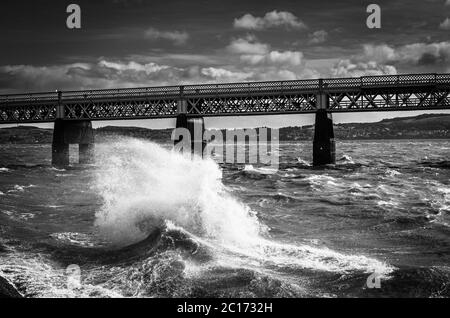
195 127
190 130
324 147
72 132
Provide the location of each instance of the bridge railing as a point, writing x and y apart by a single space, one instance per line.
399 80
334 83
250 87
171 91
31 97
443 79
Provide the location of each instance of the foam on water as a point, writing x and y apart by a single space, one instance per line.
261 170
346 159
144 185
303 162
74 238
18 216
143 182
42 279
20 188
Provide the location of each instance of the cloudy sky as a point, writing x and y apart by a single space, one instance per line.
127 43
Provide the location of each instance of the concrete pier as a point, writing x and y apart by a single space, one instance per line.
60 148
324 148
195 126
72 132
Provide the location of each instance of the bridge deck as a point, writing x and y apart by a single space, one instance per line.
369 93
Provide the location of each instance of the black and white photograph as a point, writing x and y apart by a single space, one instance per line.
229 151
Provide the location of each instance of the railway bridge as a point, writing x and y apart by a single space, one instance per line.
73 111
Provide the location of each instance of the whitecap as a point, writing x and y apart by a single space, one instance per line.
261 170
303 162
347 159
75 238
42 279
20 188
17 216
392 172
141 181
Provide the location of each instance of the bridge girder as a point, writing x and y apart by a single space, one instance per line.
373 93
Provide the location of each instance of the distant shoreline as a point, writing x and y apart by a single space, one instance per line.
422 127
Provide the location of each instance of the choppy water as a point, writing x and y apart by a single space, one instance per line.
146 222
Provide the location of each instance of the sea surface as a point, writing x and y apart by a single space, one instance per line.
144 221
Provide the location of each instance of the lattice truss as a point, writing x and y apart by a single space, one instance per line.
364 100
252 104
387 92
122 109
28 113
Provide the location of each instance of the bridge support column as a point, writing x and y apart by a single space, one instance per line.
324 148
72 132
195 128
60 148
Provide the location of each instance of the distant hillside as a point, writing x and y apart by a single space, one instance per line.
107 132
422 126
427 126
25 135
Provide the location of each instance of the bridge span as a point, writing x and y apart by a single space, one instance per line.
73 111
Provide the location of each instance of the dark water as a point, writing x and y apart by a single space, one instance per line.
145 222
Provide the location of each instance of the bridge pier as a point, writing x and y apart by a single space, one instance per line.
195 127
72 132
324 148
60 148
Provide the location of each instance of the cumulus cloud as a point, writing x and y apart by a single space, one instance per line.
318 37
101 74
266 63
445 25
269 20
112 74
414 54
347 68
274 58
177 37
223 75
148 68
385 59
255 53
380 53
